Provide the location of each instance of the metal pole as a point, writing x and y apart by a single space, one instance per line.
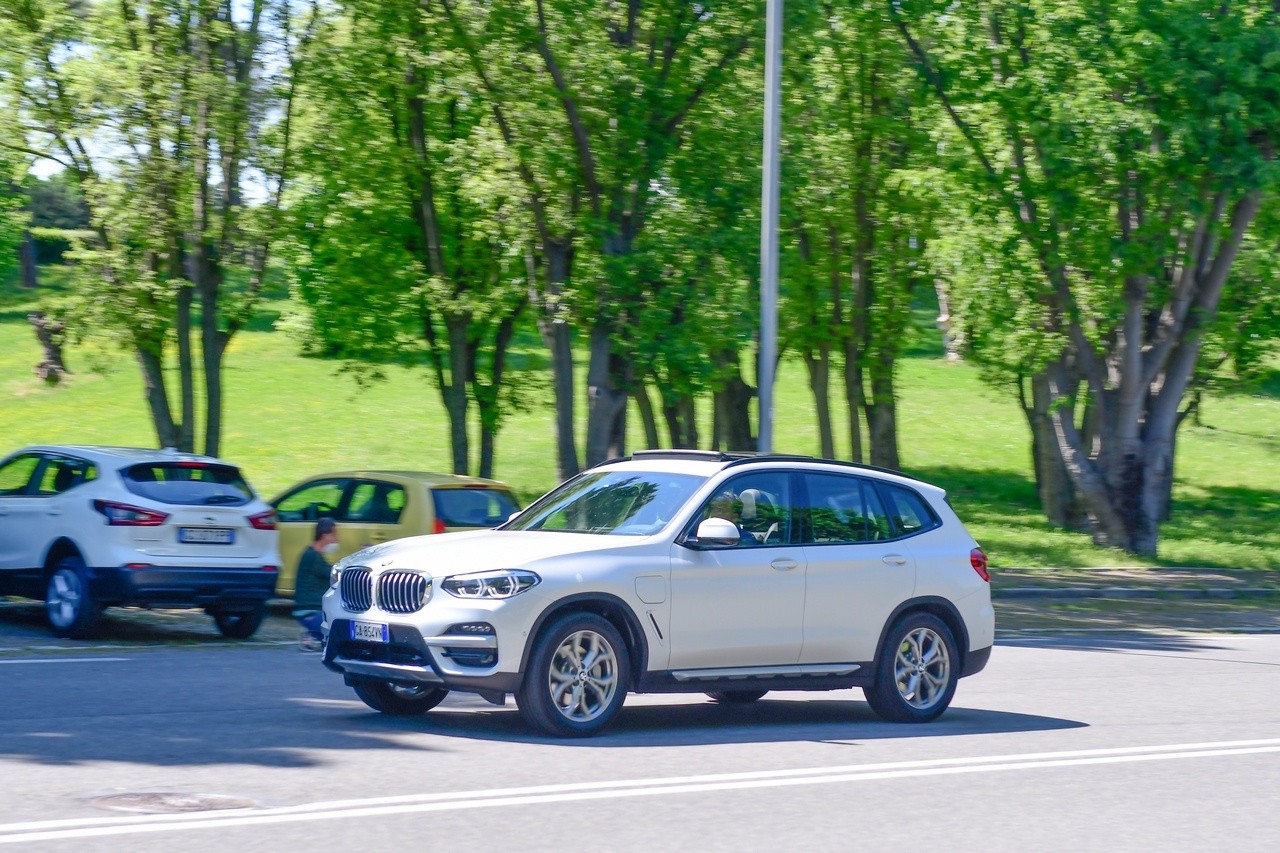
769 222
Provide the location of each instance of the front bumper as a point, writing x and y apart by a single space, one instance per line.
459 662
181 586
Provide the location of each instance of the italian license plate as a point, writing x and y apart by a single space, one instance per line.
206 535
370 632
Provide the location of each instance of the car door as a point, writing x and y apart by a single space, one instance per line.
371 514
21 545
858 572
297 512
740 605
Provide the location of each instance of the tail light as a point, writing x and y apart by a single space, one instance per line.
978 560
439 527
264 520
123 515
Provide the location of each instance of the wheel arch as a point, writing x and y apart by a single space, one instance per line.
607 606
61 548
935 606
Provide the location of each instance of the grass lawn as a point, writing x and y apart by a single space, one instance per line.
287 417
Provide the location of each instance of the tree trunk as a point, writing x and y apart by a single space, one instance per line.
455 392
27 257
854 396
49 333
819 367
553 324
733 406
645 407
952 339
882 413
157 398
1058 499
606 399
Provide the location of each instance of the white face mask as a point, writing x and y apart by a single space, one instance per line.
331 548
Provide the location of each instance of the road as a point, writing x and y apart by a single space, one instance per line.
1095 743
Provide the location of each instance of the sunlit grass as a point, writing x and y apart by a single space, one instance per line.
287 417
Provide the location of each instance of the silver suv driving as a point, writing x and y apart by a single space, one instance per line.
89 527
675 571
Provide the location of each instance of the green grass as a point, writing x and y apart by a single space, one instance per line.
287 417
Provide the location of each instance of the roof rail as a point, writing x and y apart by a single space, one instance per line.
743 457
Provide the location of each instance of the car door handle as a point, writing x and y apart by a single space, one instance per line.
784 565
894 559
53 511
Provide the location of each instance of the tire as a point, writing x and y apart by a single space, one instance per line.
917 671
736 697
239 624
399 700
68 601
577 678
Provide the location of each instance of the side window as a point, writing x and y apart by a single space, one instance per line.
759 504
375 503
16 473
312 502
62 474
909 511
842 510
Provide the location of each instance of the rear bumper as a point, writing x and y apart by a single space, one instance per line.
976 661
173 586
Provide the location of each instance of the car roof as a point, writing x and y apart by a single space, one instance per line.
718 460
426 478
102 453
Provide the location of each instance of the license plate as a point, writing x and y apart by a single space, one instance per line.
206 535
370 632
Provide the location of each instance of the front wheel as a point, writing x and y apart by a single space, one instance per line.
239 624
917 671
68 602
399 700
577 677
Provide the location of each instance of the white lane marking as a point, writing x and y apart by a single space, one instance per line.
582 791
64 660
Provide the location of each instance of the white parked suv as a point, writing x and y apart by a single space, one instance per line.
84 528
675 571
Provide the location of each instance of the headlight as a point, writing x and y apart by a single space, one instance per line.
503 583
335 572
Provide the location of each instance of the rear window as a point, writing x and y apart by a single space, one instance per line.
188 483
473 507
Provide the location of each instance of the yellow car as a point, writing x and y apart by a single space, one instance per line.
378 506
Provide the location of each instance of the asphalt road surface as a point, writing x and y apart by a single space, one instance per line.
1099 743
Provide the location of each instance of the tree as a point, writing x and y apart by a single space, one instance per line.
593 100
408 216
174 118
1115 157
857 217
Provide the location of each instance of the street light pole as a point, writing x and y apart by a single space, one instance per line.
768 351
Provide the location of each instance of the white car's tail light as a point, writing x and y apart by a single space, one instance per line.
264 520
124 515
978 560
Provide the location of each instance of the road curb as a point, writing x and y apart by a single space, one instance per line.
1134 592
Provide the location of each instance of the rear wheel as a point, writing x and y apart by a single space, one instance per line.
917 671
736 697
68 602
239 623
399 700
577 677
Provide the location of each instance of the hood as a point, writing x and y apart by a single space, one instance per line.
444 554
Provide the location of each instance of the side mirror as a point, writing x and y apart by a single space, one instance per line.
717 531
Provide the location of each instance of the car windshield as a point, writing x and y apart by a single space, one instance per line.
188 483
622 503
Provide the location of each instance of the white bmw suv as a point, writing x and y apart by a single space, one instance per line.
89 527
675 571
